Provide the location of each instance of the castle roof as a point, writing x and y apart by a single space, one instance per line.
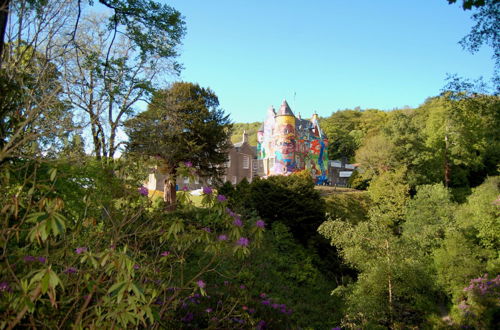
285 110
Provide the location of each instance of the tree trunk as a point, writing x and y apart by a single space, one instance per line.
447 169
389 283
169 193
4 15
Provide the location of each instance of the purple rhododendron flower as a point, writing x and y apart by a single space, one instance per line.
237 222
165 253
260 223
185 188
208 230
221 198
262 295
188 164
222 237
201 284
188 318
143 191
4 286
42 259
207 190
230 212
243 241
70 270
80 250
29 259
136 266
266 302
208 310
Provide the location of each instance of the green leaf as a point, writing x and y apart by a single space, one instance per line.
45 282
54 280
53 173
116 288
138 291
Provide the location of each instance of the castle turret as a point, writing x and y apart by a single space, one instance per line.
284 137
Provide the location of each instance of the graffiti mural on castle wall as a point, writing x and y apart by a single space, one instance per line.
288 144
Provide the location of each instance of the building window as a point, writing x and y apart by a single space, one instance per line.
235 179
186 179
196 180
228 163
224 178
246 162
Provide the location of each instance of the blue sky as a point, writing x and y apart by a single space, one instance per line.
331 55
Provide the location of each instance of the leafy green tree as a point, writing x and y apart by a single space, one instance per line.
104 77
182 124
375 156
428 215
251 130
154 27
291 200
404 131
393 286
338 128
33 116
350 207
484 32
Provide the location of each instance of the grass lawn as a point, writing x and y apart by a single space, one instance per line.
328 190
153 194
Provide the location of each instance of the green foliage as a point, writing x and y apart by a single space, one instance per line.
291 200
393 286
251 130
82 247
481 214
350 207
389 194
347 130
155 28
183 124
427 216
283 271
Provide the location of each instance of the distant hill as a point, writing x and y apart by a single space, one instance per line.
250 128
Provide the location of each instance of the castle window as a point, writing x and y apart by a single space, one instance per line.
246 162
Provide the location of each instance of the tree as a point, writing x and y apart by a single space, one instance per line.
338 128
104 78
45 35
393 287
375 156
155 28
485 31
182 124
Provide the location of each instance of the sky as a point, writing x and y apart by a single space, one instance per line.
324 55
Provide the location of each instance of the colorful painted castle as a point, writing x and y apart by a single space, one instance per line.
287 144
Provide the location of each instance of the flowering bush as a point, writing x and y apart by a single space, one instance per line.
85 249
480 302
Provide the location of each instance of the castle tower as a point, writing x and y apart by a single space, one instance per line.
284 141
319 151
